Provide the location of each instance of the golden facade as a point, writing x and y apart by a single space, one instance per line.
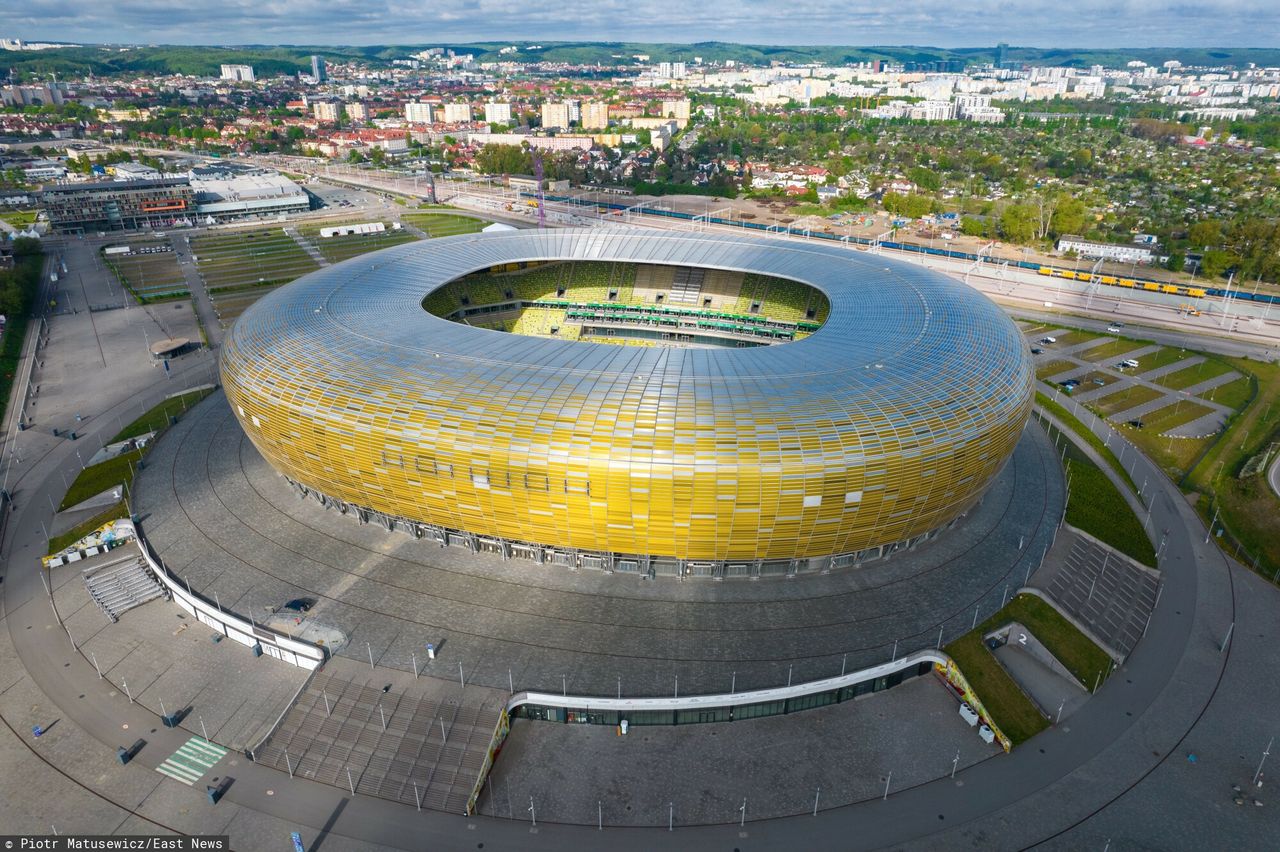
886 423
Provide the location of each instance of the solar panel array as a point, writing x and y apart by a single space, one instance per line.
884 424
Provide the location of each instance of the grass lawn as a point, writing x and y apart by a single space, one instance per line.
443 224
1234 394
1052 368
1010 708
1073 423
1112 350
339 248
1172 416
1123 400
1161 357
1250 511
1188 376
20 219
1082 657
1097 507
83 528
1076 336
157 418
99 477
250 257
1097 378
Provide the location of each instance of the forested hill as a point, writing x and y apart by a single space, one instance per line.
106 61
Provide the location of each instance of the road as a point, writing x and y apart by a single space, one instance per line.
1054 786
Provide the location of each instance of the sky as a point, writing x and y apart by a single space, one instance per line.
937 23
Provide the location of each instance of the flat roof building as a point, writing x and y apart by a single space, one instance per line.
118 205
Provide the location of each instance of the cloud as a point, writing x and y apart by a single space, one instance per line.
942 23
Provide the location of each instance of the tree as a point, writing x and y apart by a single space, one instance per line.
1068 217
1205 233
971 227
1215 262
1177 260
1018 223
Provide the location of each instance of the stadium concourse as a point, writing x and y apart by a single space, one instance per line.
220 517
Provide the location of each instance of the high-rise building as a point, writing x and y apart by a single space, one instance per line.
358 112
664 71
238 73
318 72
595 115
677 109
555 115
457 113
575 111
497 113
416 113
1001 50
679 70
327 111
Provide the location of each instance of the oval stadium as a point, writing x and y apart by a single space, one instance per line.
613 398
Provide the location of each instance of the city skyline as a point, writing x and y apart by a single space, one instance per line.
1092 24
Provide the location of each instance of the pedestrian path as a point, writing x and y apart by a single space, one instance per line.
196 757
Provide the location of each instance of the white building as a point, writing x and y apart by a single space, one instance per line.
544 143
229 190
327 111
497 113
555 115
457 113
595 115
418 113
1108 251
238 73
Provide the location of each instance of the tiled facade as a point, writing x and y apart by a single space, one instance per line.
886 423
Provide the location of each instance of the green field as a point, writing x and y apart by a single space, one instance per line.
1123 400
1082 432
337 249
1188 376
1172 416
1052 368
1162 356
157 418
150 277
99 477
82 529
230 302
1234 394
443 224
1076 336
19 219
258 256
1097 507
1009 706
1111 350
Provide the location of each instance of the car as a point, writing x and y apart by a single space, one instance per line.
1099 382
1036 350
1137 424
1048 340
1113 328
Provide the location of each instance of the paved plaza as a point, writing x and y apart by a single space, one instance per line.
225 522
700 774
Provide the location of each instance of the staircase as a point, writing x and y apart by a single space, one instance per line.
687 285
119 586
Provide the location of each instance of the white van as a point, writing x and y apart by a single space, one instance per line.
1130 364
1048 340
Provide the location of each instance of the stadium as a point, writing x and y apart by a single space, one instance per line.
661 402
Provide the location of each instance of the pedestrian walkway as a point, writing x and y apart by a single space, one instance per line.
306 246
418 741
196 757
1105 592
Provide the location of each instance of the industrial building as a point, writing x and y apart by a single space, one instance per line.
1120 252
118 205
229 190
781 408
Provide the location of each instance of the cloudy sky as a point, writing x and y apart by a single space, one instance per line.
942 23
